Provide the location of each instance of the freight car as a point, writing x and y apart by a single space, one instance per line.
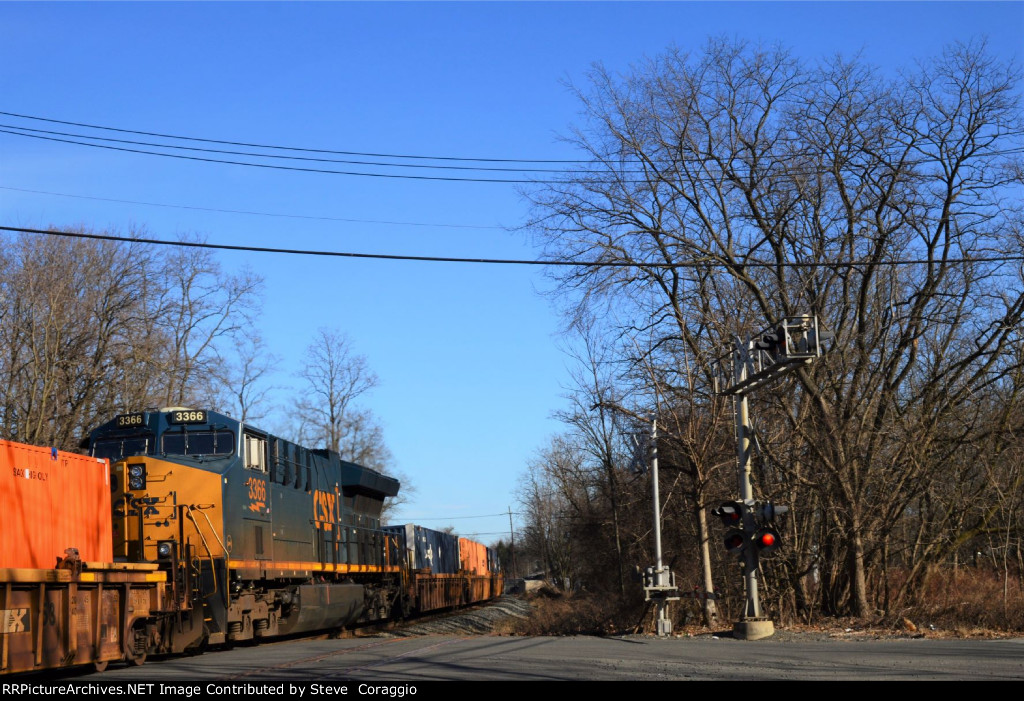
66 605
441 570
240 535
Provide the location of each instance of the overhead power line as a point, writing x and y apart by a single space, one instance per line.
456 518
270 166
709 262
259 214
605 174
320 150
288 148
252 154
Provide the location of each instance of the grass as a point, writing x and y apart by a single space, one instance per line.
967 603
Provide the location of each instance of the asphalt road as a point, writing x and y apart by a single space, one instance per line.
493 658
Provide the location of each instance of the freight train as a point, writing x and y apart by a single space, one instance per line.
184 528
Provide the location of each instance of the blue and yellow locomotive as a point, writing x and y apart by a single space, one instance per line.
259 536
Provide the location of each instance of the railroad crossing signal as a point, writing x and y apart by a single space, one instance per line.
786 345
783 347
750 525
731 513
735 542
767 512
735 516
769 342
766 538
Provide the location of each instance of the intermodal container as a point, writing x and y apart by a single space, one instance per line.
50 501
493 563
428 549
472 556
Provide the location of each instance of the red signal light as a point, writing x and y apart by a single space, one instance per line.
767 540
731 513
734 542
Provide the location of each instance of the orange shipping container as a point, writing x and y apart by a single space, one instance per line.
472 556
51 500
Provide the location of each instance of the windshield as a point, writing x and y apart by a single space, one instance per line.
117 448
198 443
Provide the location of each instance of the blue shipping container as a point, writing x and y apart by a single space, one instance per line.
427 549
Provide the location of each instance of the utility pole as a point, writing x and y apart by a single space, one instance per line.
512 544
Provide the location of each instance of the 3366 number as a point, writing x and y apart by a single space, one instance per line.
129 420
257 489
188 417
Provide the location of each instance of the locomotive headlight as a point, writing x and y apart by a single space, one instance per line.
164 549
137 477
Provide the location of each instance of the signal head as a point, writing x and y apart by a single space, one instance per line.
766 540
731 513
735 541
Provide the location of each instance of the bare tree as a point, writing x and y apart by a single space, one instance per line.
66 334
198 307
89 330
735 187
244 387
592 419
556 497
334 377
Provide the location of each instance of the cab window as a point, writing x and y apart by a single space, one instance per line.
198 443
255 452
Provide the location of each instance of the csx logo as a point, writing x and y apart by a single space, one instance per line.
325 509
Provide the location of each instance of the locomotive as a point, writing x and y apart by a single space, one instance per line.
219 532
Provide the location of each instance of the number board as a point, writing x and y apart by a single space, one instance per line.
129 420
187 417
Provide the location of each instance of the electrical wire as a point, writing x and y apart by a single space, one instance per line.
653 172
260 214
320 150
270 166
455 518
289 148
710 262
266 155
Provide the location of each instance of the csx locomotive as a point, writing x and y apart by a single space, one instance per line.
220 532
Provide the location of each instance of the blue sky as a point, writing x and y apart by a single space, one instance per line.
467 355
